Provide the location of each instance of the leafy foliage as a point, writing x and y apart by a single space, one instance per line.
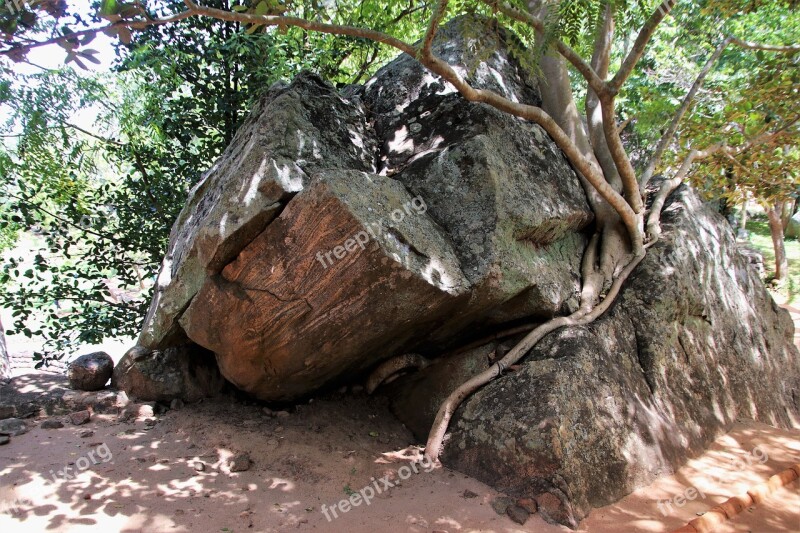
97 201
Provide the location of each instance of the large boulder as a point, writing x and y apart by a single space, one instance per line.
291 133
693 342
339 230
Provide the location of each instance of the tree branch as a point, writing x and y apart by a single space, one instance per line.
93 135
443 69
129 24
639 45
433 27
591 77
539 116
279 20
621 160
653 220
785 49
679 114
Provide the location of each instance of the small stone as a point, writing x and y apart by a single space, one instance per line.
4 439
199 466
501 504
176 404
85 434
469 494
518 514
52 424
528 504
90 372
269 412
80 418
122 399
239 463
282 414
272 442
13 427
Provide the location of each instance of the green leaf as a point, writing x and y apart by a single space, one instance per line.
262 8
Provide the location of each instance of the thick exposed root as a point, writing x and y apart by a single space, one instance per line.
592 271
581 317
654 219
392 367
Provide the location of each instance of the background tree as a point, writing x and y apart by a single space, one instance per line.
103 198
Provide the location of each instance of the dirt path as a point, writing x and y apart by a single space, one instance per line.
144 475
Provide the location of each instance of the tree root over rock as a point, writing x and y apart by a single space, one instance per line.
392 367
586 314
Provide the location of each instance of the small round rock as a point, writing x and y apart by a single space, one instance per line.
90 372
52 423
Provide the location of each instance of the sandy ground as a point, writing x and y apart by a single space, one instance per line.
143 475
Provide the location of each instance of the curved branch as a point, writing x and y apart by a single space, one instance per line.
130 24
539 116
391 367
594 118
433 27
784 49
279 20
446 71
639 45
586 70
653 220
627 174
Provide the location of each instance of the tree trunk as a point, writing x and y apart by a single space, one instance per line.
787 210
743 216
5 362
776 229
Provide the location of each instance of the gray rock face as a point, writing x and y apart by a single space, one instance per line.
290 134
90 372
337 231
693 343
